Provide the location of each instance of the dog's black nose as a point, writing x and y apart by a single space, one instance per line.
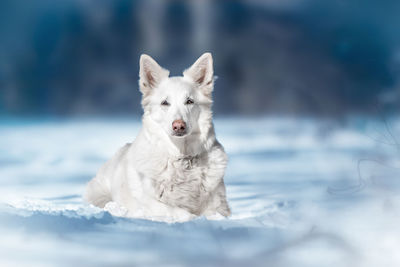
179 126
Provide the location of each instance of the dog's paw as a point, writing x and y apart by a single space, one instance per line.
115 209
180 215
215 217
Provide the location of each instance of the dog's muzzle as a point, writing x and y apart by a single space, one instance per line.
179 127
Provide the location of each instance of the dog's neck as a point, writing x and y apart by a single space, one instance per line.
189 146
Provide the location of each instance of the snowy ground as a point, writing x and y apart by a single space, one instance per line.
303 193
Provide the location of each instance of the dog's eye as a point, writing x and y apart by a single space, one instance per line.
189 101
165 103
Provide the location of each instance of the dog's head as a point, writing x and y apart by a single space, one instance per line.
178 105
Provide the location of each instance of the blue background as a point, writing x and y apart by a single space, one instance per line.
312 57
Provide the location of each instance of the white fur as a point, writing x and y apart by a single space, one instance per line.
161 176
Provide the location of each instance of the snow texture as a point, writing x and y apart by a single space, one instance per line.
303 192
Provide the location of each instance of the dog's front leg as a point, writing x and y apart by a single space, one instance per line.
213 183
216 165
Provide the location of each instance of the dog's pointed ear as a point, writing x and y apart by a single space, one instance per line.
150 74
202 73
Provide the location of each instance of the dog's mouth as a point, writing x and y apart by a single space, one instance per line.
182 134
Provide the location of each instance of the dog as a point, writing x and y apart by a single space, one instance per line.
174 169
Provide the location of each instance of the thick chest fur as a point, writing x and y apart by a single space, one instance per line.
181 184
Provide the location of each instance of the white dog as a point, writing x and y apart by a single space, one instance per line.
174 169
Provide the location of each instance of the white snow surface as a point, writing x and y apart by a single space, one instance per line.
303 192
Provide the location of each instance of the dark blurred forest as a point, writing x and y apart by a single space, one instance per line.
315 57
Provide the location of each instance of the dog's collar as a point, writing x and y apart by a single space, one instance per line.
188 160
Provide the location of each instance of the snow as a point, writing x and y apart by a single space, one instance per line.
303 192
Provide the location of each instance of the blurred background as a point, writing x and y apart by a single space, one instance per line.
306 105
310 57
